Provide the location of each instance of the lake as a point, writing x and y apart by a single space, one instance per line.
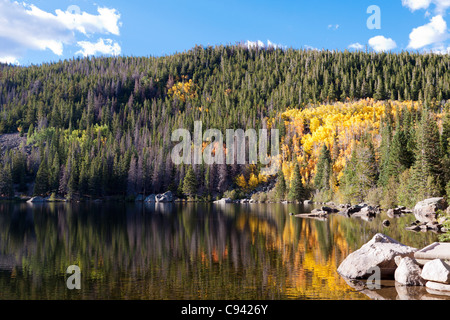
182 251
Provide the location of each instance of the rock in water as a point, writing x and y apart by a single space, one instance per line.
409 273
166 197
223 201
36 200
438 286
437 271
379 252
426 210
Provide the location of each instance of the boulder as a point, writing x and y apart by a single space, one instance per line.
367 213
426 210
397 212
408 273
436 270
165 197
224 200
307 202
361 210
36 200
379 252
436 286
329 210
150 198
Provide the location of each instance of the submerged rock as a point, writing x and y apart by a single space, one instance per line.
379 252
398 212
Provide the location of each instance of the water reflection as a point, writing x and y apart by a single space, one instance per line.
179 251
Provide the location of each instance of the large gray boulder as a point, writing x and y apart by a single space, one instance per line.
379 252
408 273
36 200
225 200
165 197
426 210
437 271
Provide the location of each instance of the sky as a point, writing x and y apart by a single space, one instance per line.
42 31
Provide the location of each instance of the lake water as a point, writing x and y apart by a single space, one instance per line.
182 251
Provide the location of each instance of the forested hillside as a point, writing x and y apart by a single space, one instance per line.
102 126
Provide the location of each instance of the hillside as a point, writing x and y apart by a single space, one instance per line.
101 126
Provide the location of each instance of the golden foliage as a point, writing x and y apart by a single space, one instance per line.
338 125
183 90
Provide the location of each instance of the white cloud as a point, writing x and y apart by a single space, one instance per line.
356 46
433 32
261 45
26 27
307 47
441 5
107 21
333 26
416 4
9 60
381 43
102 46
441 50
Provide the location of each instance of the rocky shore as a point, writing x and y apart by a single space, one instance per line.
384 259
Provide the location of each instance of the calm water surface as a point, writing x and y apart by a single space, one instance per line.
182 251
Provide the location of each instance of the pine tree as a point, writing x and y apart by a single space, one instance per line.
6 181
190 183
400 157
296 190
445 147
380 93
360 174
323 169
385 153
280 187
19 170
41 186
427 176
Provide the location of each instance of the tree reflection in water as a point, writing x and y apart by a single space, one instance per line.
180 251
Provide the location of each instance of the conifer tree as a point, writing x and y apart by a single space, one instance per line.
427 176
323 169
280 187
41 186
6 181
190 183
296 190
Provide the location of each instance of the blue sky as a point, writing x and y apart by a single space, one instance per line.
36 31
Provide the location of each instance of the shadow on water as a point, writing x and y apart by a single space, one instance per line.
181 251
